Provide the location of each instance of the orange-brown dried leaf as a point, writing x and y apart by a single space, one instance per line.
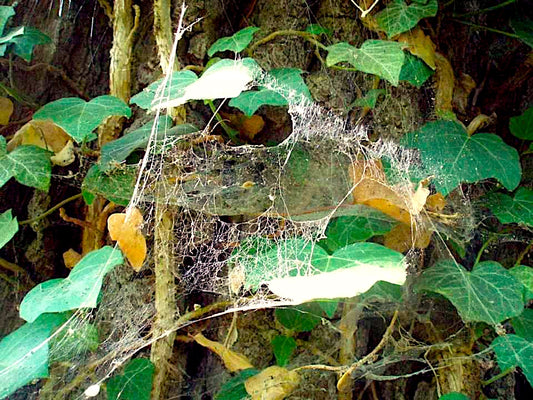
419 45
46 135
402 238
125 229
6 109
272 383
371 189
71 257
232 360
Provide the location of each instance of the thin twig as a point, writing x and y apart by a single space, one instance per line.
51 210
286 32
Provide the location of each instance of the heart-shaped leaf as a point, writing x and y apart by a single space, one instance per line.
487 294
79 290
509 210
283 84
135 383
453 157
116 186
399 16
80 118
522 125
512 351
302 318
174 88
283 347
23 44
29 165
236 43
8 227
24 353
378 57
523 324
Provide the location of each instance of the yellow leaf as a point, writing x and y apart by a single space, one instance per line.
404 237
463 87
48 136
436 202
6 109
248 127
444 84
272 383
232 360
125 229
419 45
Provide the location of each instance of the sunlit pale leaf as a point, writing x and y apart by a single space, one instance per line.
80 118
399 16
284 85
272 383
512 351
487 294
24 353
378 57
8 227
174 88
236 43
135 383
453 157
79 290
517 209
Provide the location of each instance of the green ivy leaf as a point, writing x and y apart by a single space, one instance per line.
79 290
6 12
454 396
23 44
415 71
378 57
118 150
236 43
523 324
522 126
370 99
345 230
512 351
173 89
29 165
234 389
302 318
135 384
400 17
524 275
116 186
523 27
24 353
316 29
511 210
288 82
8 37
8 227
383 291
80 118
488 294
283 347
454 157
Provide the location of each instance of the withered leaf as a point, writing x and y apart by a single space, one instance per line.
125 229
232 360
273 383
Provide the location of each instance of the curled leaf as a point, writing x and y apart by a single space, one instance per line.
232 360
419 45
444 84
273 383
125 229
71 257
46 135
